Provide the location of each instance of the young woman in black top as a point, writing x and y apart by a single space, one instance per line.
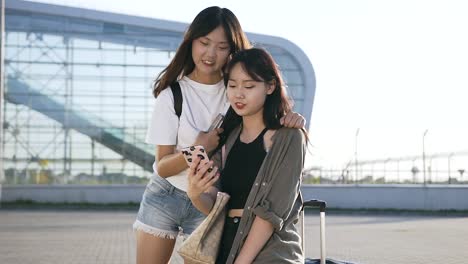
258 101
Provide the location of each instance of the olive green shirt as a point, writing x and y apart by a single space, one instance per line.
275 196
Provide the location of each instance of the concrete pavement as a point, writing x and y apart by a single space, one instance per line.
45 236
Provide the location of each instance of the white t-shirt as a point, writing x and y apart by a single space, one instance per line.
201 104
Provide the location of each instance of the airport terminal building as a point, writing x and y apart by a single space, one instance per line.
78 91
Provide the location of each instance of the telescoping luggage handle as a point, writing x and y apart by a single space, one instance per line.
315 203
322 205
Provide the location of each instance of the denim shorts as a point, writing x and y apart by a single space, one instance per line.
166 211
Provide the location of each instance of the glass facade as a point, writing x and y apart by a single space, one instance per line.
78 96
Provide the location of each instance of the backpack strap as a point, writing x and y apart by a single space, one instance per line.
175 88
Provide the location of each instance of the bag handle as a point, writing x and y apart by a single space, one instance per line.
223 156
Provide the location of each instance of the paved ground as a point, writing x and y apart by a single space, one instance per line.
106 237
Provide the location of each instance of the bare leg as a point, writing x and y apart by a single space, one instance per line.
152 249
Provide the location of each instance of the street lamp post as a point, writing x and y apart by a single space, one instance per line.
385 170
449 177
398 170
2 88
356 156
424 158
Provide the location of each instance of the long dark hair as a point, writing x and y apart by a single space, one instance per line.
261 67
205 22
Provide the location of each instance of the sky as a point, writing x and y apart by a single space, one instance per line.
392 69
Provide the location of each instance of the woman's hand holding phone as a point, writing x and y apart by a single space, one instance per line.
209 140
202 174
201 177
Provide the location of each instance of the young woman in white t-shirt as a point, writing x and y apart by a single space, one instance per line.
165 210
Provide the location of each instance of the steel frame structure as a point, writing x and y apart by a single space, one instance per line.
93 72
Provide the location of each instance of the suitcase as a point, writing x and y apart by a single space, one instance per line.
323 256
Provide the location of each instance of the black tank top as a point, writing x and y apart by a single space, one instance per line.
242 165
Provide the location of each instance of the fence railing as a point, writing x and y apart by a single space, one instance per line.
440 168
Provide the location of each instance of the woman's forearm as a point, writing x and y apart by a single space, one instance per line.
171 165
204 202
259 234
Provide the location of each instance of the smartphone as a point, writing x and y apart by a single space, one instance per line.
217 122
195 151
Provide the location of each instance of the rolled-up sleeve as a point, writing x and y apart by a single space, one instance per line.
263 210
277 204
